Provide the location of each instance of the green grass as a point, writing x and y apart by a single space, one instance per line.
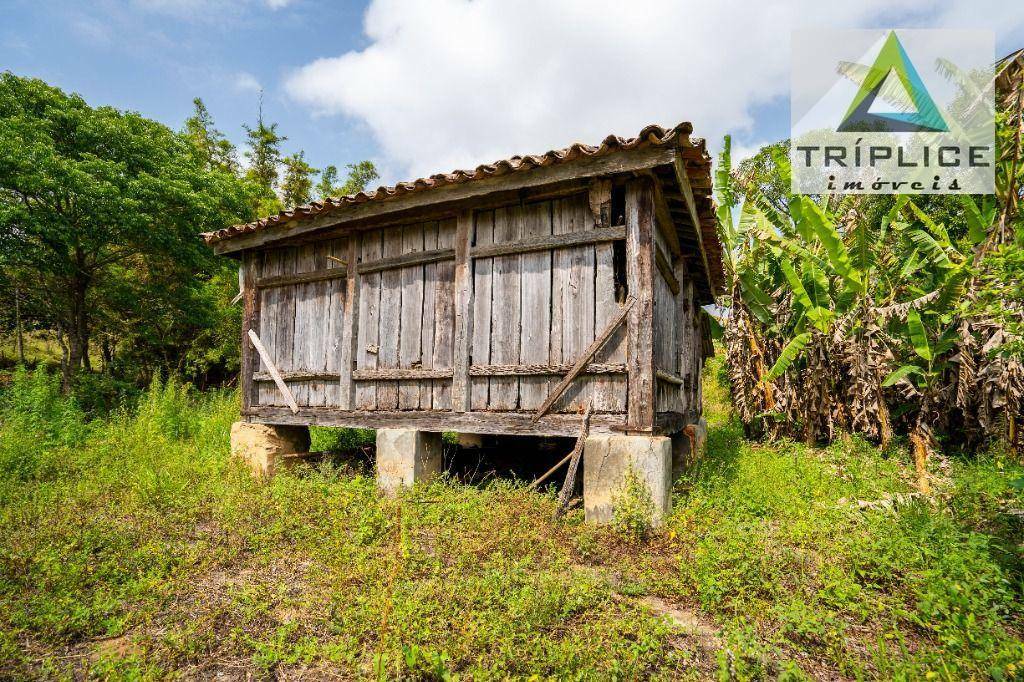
133 547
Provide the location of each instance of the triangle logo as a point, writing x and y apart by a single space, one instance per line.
908 106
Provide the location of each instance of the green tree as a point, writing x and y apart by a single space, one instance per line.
215 149
264 156
93 198
328 185
297 186
359 176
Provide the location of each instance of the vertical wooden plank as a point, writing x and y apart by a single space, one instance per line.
664 325
462 342
640 278
321 324
561 261
482 271
505 310
411 322
268 321
685 336
304 334
250 265
444 316
609 390
332 316
390 319
370 248
535 336
349 324
577 293
282 352
427 316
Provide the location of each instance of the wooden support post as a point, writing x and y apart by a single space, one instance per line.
640 280
281 386
250 320
577 452
463 312
350 328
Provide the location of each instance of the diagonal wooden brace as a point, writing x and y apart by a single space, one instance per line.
281 386
583 360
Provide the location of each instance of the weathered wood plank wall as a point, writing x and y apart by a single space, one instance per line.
299 323
538 283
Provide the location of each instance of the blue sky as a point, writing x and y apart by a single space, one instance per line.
155 57
423 86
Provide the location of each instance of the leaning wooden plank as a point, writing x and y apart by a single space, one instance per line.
665 268
301 277
390 320
582 361
551 241
535 330
547 474
420 257
462 342
482 279
574 464
410 345
505 309
281 386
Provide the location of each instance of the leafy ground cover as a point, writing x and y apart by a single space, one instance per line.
133 547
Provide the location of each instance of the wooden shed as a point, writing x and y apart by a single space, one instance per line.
462 301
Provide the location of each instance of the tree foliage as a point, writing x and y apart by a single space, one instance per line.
880 315
99 215
297 186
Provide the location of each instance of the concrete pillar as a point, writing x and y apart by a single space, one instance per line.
606 461
406 456
688 446
264 446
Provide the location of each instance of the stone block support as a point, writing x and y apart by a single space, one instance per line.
264 446
688 447
406 456
607 460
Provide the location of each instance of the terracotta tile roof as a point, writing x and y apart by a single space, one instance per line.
649 136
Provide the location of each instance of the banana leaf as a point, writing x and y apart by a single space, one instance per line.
900 373
788 355
918 335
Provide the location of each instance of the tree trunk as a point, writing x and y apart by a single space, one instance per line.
78 330
19 340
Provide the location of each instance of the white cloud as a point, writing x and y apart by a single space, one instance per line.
450 83
278 4
246 82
